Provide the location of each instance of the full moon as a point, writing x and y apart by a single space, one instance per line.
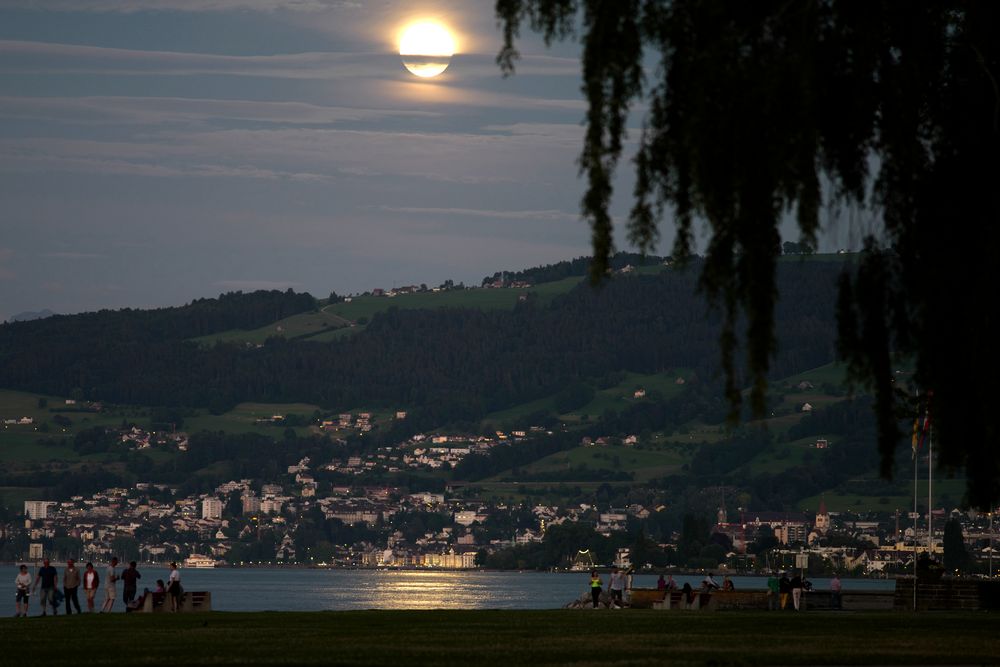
426 48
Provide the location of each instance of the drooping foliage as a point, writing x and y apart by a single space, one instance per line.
761 108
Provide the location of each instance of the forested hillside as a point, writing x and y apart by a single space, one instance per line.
458 363
571 267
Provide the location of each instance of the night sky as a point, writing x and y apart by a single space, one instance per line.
155 151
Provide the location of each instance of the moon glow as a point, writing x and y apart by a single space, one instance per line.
426 49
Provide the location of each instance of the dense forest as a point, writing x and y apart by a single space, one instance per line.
455 364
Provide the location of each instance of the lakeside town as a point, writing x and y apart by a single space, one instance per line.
293 519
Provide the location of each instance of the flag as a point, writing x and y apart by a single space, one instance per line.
915 440
925 429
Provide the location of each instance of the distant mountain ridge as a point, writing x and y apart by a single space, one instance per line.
457 363
30 315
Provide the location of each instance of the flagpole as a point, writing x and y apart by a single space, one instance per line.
915 515
930 481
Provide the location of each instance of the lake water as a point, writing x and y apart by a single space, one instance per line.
262 589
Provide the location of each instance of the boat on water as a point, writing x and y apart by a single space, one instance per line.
199 561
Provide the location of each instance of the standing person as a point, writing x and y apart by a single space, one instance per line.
22 587
784 589
131 578
671 584
772 592
797 591
110 585
71 582
835 587
174 587
727 584
48 577
595 587
90 583
708 583
661 584
616 585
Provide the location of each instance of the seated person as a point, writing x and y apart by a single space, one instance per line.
136 604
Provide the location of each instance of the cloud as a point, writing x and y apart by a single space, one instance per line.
100 110
37 57
72 255
131 6
485 213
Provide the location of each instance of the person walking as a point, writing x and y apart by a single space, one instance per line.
71 583
595 587
90 583
174 587
47 577
22 592
110 586
797 592
772 592
835 586
784 589
616 585
130 580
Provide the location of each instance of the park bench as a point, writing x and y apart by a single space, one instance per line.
191 601
677 600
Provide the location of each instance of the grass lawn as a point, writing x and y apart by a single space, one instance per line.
503 638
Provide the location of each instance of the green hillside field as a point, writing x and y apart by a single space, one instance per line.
473 297
335 320
615 398
303 325
642 464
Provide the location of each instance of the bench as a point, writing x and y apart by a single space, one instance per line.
677 600
713 601
191 601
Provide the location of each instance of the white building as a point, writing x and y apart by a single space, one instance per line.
251 504
270 506
211 508
37 509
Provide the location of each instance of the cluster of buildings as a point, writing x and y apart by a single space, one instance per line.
164 527
881 543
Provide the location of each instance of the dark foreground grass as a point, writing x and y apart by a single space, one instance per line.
476 638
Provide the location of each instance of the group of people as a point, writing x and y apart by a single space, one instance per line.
46 583
780 590
619 582
708 585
